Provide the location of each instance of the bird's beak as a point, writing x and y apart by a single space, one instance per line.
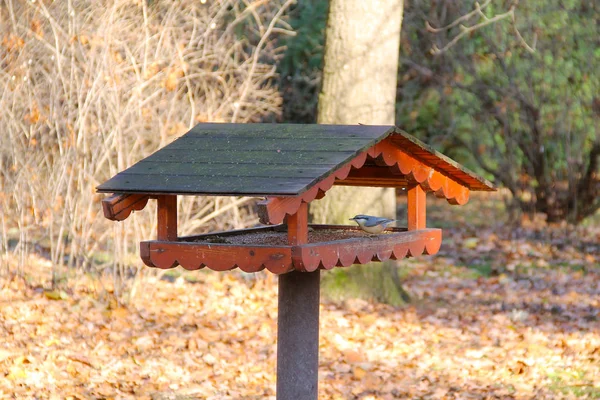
351 219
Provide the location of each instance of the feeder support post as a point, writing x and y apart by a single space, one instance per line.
298 323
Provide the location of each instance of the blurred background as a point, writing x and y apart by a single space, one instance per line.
509 89
90 88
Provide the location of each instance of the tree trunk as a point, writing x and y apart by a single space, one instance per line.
360 62
359 87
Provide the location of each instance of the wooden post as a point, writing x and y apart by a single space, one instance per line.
167 217
298 226
298 336
416 208
298 323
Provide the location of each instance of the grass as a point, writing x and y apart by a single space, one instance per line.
562 382
484 269
369 282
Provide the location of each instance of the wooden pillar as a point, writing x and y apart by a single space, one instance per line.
167 217
298 323
416 208
298 226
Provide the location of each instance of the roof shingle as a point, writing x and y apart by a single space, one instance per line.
265 159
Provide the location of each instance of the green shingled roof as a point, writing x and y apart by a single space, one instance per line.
262 159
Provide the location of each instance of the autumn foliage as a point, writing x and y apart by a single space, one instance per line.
497 315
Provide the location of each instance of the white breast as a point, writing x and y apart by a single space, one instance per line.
373 229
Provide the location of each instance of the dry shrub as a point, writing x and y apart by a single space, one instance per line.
89 88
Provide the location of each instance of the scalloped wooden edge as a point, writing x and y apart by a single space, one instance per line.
273 210
427 177
308 258
217 257
120 206
282 259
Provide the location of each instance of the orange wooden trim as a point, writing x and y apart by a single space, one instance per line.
297 225
372 176
441 163
394 245
217 257
417 204
445 187
417 171
397 243
167 217
119 206
392 155
274 209
320 194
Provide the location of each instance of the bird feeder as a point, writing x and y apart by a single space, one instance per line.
290 166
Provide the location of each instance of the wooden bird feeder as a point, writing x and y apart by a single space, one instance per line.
289 165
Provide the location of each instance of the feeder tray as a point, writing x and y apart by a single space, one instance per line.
253 250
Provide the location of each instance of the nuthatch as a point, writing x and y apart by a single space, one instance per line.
372 224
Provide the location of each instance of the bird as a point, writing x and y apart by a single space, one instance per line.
370 224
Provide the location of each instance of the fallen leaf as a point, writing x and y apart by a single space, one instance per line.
56 294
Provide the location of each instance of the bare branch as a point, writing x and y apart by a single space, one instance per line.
465 17
89 90
530 49
256 56
466 30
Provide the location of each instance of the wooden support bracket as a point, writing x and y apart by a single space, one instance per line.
416 208
298 226
119 206
273 210
167 217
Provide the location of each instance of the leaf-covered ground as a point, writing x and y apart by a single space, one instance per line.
498 314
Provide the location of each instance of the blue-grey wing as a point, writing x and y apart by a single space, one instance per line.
378 221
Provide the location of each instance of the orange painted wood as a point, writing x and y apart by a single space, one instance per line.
167 217
444 187
274 209
441 163
393 245
375 176
396 243
417 205
298 226
217 257
119 206
419 172
402 170
398 182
